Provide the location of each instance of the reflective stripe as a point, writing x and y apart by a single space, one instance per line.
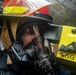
15 9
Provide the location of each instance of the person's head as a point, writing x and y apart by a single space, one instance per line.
29 34
31 27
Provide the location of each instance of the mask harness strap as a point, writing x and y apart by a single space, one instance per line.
9 30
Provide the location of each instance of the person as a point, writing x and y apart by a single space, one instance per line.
27 53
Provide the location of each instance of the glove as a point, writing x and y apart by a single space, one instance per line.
19 55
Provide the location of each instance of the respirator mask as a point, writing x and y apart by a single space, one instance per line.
34 52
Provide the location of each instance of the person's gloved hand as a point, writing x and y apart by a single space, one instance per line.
19 55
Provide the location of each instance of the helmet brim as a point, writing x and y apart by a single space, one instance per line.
36 19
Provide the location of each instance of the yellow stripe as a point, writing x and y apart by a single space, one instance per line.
15 9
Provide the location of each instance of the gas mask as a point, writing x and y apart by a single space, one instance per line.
34 54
